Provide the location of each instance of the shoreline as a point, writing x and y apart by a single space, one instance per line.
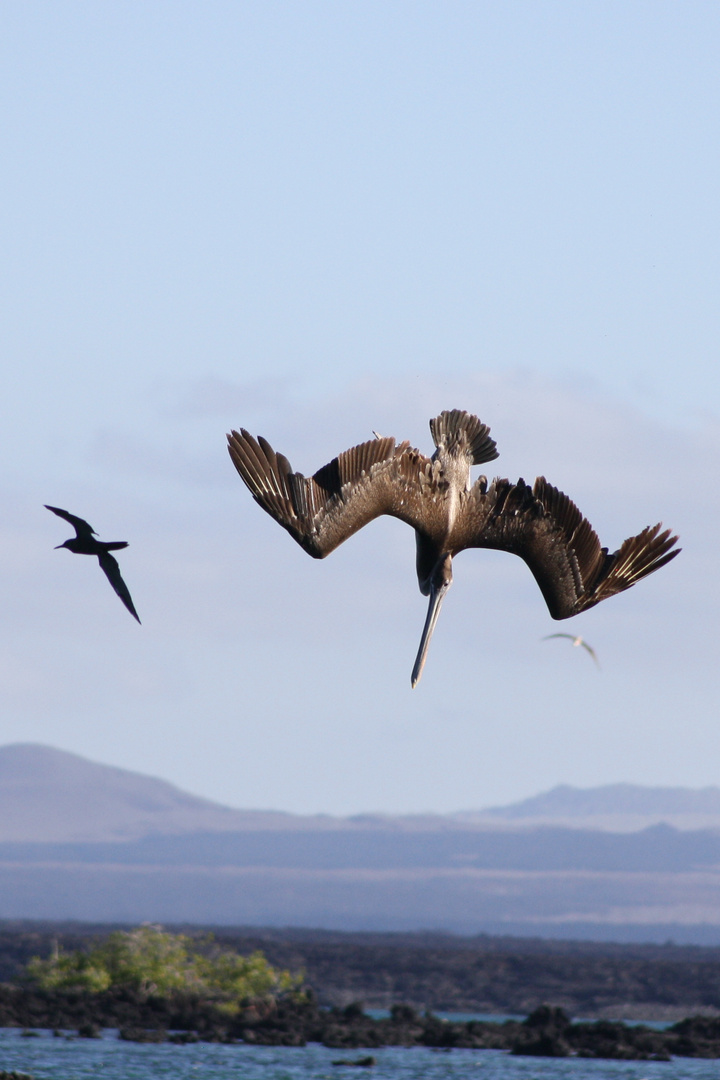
296 1019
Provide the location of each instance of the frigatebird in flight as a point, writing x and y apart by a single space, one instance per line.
84 543
449 514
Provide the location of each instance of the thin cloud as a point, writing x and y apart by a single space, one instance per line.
213 396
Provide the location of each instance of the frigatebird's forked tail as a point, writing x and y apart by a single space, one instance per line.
449 514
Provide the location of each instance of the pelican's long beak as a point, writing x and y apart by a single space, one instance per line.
437 595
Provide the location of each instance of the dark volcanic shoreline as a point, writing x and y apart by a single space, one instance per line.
427 973
296 1019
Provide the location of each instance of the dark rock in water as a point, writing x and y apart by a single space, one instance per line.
548 1018
272 1037
4 1075
611 1039
89 1031
345 1037
698 1036
360 1063
404 1014
544 1033
542 1045
354 1011
548 1032
217 1034
443 1035
28 1034
142 1035
296 1019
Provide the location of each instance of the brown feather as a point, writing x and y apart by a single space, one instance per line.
546 529
433 495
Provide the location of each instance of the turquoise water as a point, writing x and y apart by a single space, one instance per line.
110 1058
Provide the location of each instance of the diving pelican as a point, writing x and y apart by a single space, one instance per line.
84 543
448 513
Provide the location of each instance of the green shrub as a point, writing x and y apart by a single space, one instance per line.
150 960
69 971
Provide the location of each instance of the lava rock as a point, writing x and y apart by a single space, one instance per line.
142 1035
361 1063
89 1031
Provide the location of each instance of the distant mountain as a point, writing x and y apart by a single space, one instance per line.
80 840
683 807
52 795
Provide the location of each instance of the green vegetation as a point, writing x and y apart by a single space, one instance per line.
149 960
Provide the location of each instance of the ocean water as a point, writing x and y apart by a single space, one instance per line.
110 1058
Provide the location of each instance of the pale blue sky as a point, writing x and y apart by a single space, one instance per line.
316 219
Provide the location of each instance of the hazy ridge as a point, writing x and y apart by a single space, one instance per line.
53 796
80 840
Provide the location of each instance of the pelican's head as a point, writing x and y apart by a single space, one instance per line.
439 582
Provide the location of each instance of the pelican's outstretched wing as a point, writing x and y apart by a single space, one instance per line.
109 565
371 479
546 529
81 527
323 510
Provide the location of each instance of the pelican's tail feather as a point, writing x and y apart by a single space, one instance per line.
460 430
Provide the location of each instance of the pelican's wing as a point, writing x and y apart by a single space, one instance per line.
111 569
323 510
545 528
81 527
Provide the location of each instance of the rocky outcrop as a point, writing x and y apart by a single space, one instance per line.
297 1019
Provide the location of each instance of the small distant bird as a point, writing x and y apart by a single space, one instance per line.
449 513
576 641
84 543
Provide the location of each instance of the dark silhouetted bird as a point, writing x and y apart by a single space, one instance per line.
84 543
448 513
576 642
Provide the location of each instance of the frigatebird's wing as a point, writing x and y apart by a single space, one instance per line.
576 641
323 510
109 565
81 527
546 529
